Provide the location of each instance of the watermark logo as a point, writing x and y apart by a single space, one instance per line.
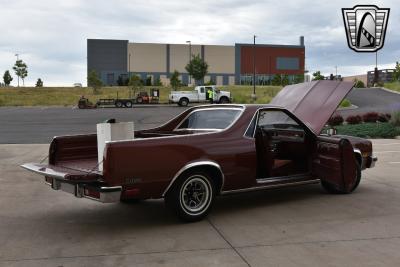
365 27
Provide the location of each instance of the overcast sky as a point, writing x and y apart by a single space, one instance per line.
50 36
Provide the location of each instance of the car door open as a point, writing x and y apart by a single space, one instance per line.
334 162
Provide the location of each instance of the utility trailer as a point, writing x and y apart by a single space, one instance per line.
141 98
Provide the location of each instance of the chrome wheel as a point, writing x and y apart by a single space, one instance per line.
195 195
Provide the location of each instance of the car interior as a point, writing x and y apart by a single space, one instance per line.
281 145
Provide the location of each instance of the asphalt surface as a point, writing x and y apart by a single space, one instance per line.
299 226
35 125
372 99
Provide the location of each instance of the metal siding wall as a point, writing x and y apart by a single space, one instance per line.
185 78
168 61
237 63
107 56
225 79
266 57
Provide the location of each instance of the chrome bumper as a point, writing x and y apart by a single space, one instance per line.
372 160
102 194
87 189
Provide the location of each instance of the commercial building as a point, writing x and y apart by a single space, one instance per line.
227 65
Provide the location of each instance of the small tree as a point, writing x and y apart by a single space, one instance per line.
135 83
21 70
174 80
276 80
359 84
197 68
396 73
7 78
285 80
299 78
148 81
94 81
158 82
39 83
120 81
318 76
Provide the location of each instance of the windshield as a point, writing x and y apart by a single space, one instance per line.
205 119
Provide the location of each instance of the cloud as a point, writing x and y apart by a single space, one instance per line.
51 35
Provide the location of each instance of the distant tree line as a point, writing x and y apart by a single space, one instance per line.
21 71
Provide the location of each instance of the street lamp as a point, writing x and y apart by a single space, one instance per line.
17 55
254 68
129 67
190 57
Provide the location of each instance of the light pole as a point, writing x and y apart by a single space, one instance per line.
129 67
336 73
17 55
254 68
376 73
190 57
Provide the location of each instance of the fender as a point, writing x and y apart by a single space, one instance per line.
192 165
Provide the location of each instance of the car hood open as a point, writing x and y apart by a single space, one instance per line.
313 102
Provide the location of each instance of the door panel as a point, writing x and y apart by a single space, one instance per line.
335 163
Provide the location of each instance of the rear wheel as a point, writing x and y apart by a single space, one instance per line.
118 104
191 197
224 100
183 102
139 100
334 190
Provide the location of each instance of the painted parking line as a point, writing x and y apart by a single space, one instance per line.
382 152
394 162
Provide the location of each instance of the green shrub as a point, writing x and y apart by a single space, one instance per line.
384 117
354 119
359 84
370 117
345 103
369 130
335 120
395 119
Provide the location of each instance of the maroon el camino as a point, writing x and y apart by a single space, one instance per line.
214 150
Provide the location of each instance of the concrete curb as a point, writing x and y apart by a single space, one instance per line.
388 90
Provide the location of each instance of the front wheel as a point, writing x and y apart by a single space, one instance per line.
191 197
334 190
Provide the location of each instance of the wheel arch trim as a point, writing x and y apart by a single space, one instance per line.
193 165
358 153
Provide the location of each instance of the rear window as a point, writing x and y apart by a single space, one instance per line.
217 119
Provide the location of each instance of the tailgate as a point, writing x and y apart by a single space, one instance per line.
64 173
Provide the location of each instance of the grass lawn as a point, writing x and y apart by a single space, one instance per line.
369 130
69 96
395 86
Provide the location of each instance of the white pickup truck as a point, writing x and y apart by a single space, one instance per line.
198 95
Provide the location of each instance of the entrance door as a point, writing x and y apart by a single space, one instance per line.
335 163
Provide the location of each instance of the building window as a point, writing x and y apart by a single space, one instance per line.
263 79
287 63
110 78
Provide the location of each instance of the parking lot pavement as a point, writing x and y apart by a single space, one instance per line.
299 226
38 125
